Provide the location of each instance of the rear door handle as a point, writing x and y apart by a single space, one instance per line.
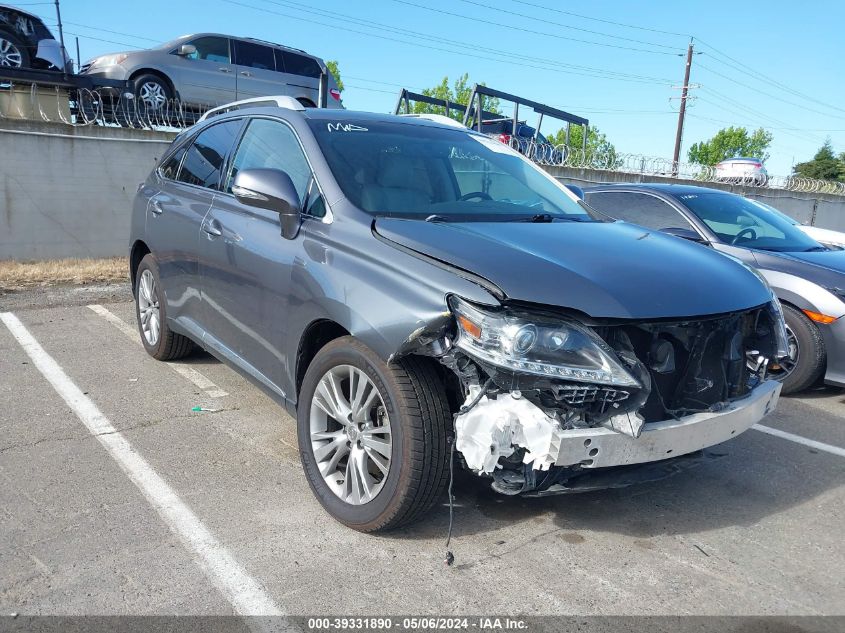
212 229
225 70
246 73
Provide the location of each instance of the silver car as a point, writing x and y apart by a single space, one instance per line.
749 171
208 69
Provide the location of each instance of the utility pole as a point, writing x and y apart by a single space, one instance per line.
61 36
681 112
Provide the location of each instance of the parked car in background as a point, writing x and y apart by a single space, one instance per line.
26 42
526 139
808 278
208 69
834 240
742 171
408 289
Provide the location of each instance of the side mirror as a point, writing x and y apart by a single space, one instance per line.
186 49
576 190
270 189
686 234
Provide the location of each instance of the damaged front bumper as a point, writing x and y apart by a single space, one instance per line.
601 447
503 427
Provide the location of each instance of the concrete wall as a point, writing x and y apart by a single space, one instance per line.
817 209
67 191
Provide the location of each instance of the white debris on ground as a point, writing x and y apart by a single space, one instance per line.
496 428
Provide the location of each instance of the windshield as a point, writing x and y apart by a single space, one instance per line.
418 171
737 220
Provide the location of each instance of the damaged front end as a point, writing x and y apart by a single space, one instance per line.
548 396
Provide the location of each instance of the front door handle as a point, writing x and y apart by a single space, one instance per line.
155 207
212 229
225 70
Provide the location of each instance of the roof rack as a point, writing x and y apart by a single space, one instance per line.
280 101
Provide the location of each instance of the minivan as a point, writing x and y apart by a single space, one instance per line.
209 69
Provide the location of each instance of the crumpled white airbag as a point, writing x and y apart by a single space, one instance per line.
495 428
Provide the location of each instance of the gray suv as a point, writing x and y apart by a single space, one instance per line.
420 296
209 69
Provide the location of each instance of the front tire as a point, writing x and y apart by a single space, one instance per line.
150 311
373 435
807 354
152 93
13 52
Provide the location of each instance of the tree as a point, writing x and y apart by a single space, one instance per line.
600 151
332 66
824 166
730 142
459 94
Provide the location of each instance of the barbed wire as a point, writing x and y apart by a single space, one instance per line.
609 160
83 107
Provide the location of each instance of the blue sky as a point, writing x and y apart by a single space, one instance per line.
775 65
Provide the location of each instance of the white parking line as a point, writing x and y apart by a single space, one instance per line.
186 371
821 446
244 593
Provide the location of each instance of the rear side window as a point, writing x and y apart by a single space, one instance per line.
254 55
170 168
271 145
205 157
638 208
299 64
213 49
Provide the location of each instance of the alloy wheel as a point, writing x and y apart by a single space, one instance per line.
350 434
148 308
152 95
10 56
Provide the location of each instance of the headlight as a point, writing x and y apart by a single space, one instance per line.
555 349
109 60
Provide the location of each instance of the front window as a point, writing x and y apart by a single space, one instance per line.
213 49
418 171
737 220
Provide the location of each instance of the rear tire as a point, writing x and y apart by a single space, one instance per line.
811 355
414 409
151 313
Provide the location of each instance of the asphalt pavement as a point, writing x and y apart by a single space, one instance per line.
118 497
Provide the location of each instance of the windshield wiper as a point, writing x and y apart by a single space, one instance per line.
436 218
814 249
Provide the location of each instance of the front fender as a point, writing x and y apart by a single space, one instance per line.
804 294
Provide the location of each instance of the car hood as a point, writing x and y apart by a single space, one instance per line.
603 269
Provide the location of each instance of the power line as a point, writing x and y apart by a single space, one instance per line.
100 39
99 28
558 66
755 74
768 94
569 26
587 17
512 27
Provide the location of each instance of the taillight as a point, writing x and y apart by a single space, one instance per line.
505 138
335 93
758 165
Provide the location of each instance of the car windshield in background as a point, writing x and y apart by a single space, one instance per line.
737 220
420 171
